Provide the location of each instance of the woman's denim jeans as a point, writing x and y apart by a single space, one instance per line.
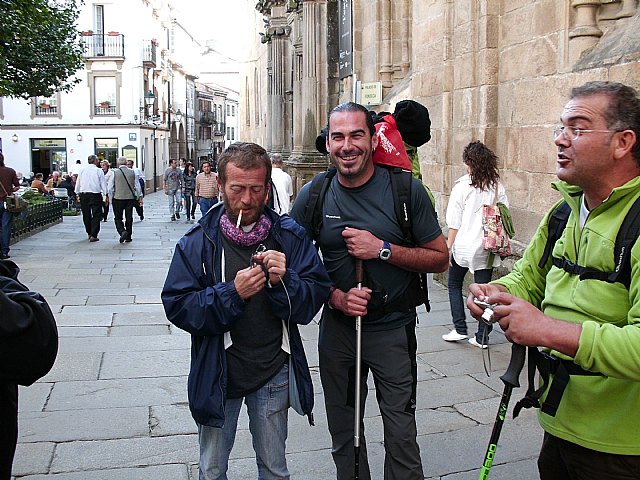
268 419
456 278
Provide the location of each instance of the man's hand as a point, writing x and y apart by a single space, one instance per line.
361 243
249 281
275 263
481 291
351 303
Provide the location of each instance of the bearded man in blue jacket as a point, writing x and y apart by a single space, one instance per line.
240 281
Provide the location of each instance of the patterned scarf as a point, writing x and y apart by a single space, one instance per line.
258 233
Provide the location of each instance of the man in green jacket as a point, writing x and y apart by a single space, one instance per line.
592 324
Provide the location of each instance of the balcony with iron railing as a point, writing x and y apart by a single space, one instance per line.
45 110
109 45
208 118
149 58
105 109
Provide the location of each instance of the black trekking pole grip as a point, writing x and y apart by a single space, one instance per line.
358 271
512 376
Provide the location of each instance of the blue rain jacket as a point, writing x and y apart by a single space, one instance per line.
197 301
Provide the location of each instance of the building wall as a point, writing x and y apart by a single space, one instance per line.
492 70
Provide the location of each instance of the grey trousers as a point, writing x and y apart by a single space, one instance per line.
391 357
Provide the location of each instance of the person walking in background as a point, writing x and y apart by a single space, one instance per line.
91 188
207 190
124 192
282 186
108 174
240 282
464 219
189 176
172 185
139 206
8 184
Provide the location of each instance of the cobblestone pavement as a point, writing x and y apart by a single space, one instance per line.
115 407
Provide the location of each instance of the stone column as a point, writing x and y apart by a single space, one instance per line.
384 42
405 35
278 51
305 160
585 33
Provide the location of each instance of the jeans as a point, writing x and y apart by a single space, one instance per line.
190 204
456 278
175 201
268 421
6 217
206 203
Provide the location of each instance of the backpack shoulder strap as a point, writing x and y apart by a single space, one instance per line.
556 226
401 187
625 240
313 210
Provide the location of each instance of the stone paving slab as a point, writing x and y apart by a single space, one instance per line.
161 472
128 452
126 344
94 424
146 364
118 393
75 366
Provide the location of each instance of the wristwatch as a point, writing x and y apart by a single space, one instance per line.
385 252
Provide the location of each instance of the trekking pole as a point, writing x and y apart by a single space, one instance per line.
511 381
356 426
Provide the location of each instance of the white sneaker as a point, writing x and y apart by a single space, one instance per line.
475 343
453 336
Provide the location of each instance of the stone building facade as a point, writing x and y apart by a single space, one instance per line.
492 70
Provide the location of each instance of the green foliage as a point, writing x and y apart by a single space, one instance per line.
34 198
40 48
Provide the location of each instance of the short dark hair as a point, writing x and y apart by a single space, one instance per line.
92 158
623 112
354 107
246 156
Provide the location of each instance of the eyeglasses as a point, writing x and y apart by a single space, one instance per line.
573 133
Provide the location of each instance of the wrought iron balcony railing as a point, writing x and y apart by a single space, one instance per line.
104 45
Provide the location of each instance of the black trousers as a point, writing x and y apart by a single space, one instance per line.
390 356
8 427
563 460
126 207
91 207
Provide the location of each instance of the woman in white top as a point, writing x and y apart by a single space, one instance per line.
108 173
464 219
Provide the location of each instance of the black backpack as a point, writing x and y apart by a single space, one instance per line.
29 339
562 369
401 187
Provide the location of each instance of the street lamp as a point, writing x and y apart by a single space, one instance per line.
149 100
179 116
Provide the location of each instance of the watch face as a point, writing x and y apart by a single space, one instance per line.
384 254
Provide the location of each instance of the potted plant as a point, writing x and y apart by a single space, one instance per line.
87 33
113 34
43 104
105 104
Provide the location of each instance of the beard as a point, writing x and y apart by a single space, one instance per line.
247 217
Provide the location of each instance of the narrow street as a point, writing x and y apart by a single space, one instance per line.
115 404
